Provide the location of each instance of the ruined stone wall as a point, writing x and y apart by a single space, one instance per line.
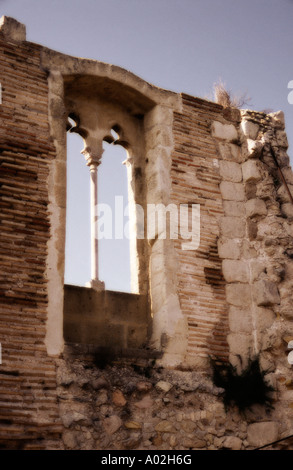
134 405
230 299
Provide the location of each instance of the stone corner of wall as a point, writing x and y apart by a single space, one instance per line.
12 29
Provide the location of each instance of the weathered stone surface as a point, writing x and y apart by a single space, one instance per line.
248 251
118 398
251 190
238 295
250 171
240 320
240 344
165 426
232 443
255 207
157 440
144 386
288 174
224 131
235 271
282 140
112 424
229 249
12 29
230 152
257 267
65 377
283 195
232 227
73 417
188 426
252 229
287 210
230 171
266 293
249 129
234 208
254 148
99 383
173 441
262 433
264 318
232 191
133 425
102 397
69 440
132 442
279 119
145 402
194 443
163 386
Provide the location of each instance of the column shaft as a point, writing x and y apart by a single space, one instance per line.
94 228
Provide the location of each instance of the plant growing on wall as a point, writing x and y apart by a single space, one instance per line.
226 98
242 389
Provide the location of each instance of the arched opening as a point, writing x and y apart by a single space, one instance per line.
77 247
91 316
114 247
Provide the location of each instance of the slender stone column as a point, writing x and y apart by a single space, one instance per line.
93 162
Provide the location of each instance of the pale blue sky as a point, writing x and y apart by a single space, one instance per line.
180 45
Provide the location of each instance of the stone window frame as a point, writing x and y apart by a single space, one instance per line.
155 107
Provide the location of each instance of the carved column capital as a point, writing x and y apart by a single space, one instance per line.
92 159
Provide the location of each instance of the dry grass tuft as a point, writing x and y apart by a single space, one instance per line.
226 99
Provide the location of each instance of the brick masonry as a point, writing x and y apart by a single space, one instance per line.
196 180
28 402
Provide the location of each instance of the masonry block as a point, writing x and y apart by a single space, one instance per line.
238 295
229 248
279 119
232 227
254 148
224 131
257 267
230 152
240 344
249 129
12 29
255 207
235 271
234 208
230 171
232 191
282 140
283 195
250 171
266 293
240 320
262 433
264 318
287 210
